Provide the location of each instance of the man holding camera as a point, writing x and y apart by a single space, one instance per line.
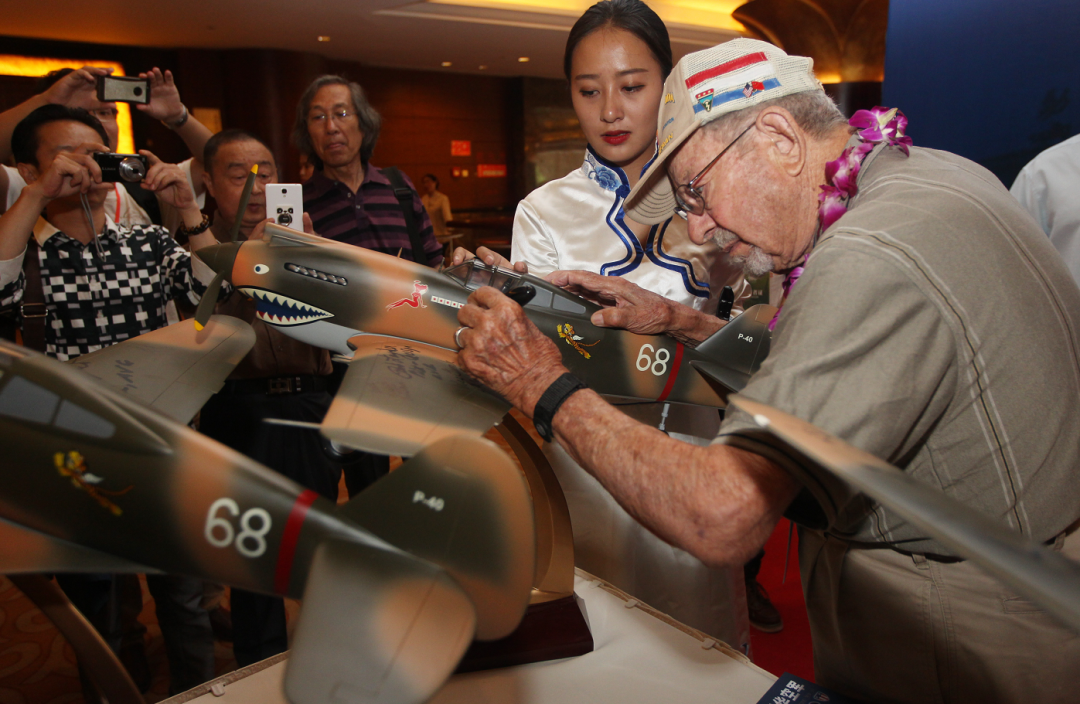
77 88
89 283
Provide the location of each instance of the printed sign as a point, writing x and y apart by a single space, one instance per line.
491 170
460 147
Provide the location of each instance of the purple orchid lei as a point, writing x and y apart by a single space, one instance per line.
872 127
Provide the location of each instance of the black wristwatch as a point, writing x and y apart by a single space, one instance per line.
544 413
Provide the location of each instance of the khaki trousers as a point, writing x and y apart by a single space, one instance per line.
894 628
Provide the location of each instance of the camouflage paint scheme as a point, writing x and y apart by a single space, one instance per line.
396 583
395 320
1031 569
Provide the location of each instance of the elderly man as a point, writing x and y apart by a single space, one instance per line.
352 201
900 337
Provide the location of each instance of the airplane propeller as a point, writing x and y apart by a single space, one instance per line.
209 299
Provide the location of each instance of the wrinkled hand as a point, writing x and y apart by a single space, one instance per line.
630 307
505 351
169 182
309 226
77 85
489 257
71 173
164 102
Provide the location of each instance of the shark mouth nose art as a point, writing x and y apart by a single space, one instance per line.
281 310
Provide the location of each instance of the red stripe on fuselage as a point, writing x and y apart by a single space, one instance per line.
289 539
673 373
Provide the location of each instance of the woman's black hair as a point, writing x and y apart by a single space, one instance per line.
633 16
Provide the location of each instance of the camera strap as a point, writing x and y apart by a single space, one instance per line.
34 313
404 195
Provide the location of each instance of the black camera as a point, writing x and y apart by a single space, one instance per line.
121 167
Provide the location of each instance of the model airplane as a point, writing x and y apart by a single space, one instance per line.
395 321
1031 569
395 584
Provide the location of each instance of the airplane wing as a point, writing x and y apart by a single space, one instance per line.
1027 567
174 369
378 626
399 396
28 551
736 350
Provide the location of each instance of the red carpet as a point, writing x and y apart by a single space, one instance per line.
790 649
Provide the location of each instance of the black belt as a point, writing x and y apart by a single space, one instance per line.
276 386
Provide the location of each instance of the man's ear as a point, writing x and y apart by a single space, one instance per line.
788 149
28 172
208 184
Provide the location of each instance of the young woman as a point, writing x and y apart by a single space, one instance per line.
617 58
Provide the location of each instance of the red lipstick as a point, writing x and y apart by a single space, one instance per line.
615 136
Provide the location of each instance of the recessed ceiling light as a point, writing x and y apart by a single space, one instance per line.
447 64
523 59
323 38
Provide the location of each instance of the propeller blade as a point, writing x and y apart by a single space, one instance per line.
209 299
244 197
1030 569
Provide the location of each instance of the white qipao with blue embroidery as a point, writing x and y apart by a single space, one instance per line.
577 222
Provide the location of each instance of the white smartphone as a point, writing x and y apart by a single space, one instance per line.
285 204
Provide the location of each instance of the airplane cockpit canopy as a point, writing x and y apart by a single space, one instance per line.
25 400
474 273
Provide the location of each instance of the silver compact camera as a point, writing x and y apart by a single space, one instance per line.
121 167
121 89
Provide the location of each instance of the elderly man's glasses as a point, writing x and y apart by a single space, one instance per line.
321 118
688 197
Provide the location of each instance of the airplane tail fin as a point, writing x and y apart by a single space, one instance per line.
377 627
736 350
462 504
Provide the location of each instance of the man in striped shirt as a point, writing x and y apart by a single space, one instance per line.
350 200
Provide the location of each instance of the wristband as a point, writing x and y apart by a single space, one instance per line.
180 122
549 403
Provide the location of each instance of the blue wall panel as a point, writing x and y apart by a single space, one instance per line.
996 81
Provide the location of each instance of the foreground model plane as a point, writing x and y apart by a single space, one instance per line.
395 321
395 584
1030 569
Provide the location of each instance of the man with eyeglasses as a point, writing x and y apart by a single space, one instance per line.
352 201
926 320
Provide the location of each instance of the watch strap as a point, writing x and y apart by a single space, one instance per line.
549 403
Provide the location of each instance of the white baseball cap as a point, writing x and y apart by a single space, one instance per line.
706 85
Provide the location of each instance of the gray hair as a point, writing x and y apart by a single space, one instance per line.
813 111
370 121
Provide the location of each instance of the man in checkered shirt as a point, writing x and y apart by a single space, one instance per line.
102 284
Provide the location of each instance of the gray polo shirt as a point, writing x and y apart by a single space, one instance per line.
937 328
